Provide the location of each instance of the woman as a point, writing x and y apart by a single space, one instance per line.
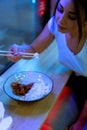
69 27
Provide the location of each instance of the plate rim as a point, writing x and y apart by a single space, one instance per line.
20 96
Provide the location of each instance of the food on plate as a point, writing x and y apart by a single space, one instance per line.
21 89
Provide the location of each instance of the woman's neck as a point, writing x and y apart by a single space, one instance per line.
73 42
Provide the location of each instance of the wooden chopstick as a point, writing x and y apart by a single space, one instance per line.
25 55
1 51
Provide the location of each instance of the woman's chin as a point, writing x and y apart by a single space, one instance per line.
62 30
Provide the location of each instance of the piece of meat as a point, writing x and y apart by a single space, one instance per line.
21 89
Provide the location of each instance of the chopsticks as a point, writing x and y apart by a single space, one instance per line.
24 55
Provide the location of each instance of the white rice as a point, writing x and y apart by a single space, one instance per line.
38 90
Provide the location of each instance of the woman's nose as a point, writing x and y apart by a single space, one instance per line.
62 19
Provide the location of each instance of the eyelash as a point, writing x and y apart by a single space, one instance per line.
72 18
61 11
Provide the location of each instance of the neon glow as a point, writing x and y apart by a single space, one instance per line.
33 1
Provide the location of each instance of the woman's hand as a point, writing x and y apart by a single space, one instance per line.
14 52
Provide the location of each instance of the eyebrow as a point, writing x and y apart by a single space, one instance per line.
73 13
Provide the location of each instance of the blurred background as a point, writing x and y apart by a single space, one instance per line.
21 21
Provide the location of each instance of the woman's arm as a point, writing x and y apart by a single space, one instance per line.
42 41
38 45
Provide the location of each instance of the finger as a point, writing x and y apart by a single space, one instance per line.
14 58
14 49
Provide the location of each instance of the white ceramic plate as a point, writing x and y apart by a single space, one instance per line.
41 88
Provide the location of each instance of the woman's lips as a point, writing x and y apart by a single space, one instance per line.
60 27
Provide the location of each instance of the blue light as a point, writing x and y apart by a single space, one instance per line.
33 1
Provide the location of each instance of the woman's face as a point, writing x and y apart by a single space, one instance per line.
66 17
